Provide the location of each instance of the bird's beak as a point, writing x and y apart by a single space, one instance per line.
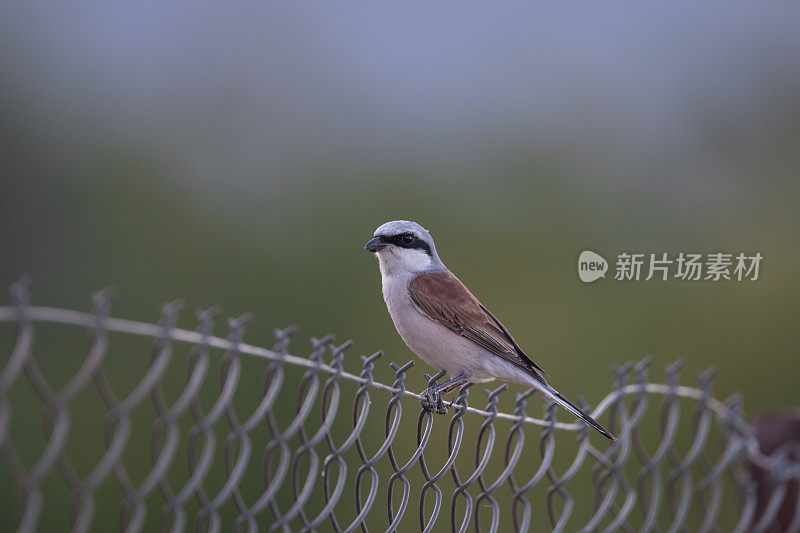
375 245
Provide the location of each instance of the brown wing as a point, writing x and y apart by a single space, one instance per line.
443 298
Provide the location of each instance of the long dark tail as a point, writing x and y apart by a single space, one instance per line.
569 406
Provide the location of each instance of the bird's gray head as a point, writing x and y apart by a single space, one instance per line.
404 247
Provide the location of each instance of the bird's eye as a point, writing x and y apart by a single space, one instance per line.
408 240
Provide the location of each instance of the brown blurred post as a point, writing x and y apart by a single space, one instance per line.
776 433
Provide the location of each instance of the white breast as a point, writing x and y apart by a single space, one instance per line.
433 343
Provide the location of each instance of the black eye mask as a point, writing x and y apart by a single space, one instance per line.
409 240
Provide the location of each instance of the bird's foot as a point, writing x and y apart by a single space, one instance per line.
432 401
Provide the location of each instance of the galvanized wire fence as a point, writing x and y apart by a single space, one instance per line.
323 449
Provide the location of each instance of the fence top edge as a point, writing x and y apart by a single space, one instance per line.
120 325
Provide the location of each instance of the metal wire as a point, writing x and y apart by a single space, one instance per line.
322 471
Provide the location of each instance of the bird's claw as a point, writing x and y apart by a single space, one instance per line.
432 401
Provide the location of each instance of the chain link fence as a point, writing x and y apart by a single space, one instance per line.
212 433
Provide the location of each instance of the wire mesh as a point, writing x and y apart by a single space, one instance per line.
324 449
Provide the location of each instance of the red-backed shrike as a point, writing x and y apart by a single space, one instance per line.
445 325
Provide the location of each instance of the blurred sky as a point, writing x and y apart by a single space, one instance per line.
221 92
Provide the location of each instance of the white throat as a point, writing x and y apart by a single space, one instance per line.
403 262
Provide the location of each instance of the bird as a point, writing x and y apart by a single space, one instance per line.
441 321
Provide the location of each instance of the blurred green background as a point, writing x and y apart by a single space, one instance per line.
242 157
